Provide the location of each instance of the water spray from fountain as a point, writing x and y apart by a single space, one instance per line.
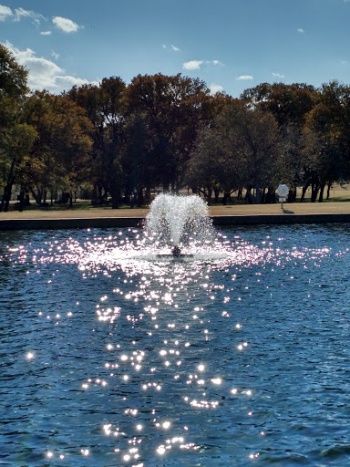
178 223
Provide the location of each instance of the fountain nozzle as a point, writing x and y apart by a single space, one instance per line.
176 251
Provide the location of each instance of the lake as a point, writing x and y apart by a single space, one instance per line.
110 356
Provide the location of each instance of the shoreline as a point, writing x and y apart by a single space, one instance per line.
303 213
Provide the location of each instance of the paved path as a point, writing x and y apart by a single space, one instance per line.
231 210
222 215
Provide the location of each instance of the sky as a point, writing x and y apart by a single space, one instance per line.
231 45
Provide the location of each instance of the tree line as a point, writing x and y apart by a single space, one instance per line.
119 143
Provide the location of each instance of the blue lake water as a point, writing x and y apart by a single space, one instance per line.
110 357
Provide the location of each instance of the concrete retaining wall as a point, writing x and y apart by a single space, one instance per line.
281 219
115 222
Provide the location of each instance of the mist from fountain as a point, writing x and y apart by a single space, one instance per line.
179 221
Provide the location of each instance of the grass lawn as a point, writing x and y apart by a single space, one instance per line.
339 203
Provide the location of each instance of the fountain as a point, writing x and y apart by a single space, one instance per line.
178 222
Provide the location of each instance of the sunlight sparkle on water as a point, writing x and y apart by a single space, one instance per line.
161 450
30 356
163 332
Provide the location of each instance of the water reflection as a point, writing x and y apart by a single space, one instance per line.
112 356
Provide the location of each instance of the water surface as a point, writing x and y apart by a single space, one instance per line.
238 356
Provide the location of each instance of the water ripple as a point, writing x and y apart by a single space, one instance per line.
110 355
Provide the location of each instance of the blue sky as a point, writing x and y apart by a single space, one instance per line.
232 45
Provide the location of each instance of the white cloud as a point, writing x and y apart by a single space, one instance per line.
18 14
193 65
215 63
214 88
300 31
244 78
65 24
46 33
172 47
5 13
22 13
43 73
278 75
67 82
196 64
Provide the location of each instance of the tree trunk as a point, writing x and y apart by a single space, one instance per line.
292 195
303 192
115 201
37 196
216 194
140 197
270 196
209 194
148 195
320 196
226 197
21 200
97 195
248 196
314 191
257 194
5 202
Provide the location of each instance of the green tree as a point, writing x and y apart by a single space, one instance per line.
17 142
239 150
60 156
212 167
140 171
13 88
289 104
327 140
15 139
172 108
254 141
104 105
